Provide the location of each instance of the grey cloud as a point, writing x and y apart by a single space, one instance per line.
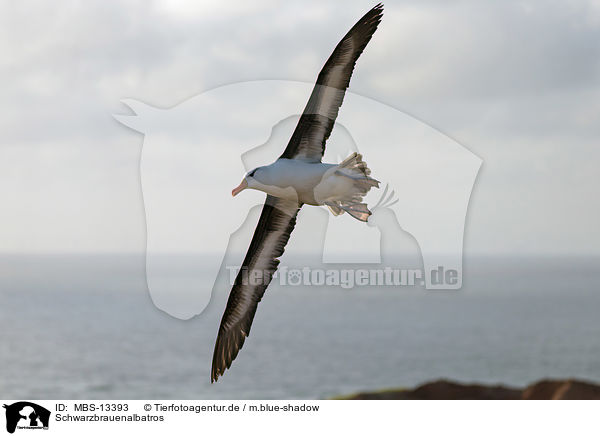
515 81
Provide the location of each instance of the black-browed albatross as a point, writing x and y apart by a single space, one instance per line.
298 177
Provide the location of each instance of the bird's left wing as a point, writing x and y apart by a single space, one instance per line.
316 123
272 233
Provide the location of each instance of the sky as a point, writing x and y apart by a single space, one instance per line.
515 82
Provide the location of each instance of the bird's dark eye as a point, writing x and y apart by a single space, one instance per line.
251 173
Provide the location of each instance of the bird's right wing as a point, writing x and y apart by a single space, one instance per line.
272 233
316 123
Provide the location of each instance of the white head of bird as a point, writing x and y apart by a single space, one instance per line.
248 181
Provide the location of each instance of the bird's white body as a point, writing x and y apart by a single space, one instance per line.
296 180
338 186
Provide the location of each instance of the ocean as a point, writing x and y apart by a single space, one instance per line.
84 327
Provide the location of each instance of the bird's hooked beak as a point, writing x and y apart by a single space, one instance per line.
240 188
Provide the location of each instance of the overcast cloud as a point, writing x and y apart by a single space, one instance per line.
516 82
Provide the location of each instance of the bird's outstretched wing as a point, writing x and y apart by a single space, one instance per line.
272 233
278 217
315 125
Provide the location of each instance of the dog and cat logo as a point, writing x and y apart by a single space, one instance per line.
26 415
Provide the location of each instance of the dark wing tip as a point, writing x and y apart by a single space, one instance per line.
375 13
372 18
227 347
378 8
361 32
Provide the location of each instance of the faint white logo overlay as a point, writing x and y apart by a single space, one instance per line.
195 230
345 278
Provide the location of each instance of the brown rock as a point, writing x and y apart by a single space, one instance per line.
562 390
447 390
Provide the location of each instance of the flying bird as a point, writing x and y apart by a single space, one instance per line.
296 178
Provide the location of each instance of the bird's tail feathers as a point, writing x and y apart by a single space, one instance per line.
360 211
356 168
334 208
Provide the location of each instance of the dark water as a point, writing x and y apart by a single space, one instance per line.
84 327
